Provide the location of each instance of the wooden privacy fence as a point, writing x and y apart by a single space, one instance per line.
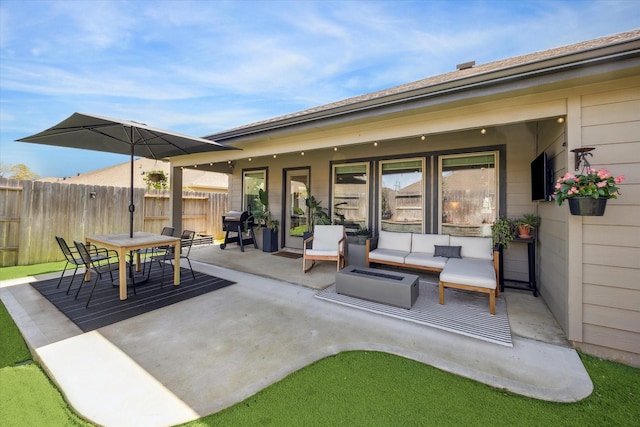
32 213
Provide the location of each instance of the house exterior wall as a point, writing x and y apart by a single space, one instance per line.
611 244
587 267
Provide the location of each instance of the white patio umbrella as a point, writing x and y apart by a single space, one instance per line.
122 137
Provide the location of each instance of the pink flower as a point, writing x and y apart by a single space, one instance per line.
573 190
558 186
601 184
619 179
568 176
603 174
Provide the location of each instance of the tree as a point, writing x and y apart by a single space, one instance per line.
19 171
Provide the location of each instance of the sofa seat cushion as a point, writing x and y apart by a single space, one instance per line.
394 241
389 255
425 260
469 271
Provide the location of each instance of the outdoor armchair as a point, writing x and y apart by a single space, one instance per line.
73 258
108 263
327 244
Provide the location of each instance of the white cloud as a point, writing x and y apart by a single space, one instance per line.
199 67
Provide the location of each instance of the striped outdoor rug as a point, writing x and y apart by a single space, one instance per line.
106 307
464 313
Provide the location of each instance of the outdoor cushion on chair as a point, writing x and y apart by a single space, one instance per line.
327 245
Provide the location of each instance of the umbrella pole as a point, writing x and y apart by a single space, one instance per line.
132 206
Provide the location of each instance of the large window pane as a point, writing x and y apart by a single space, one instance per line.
252 181
351 195
401 195
468 194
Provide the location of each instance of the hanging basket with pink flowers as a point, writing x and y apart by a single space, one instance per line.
587 193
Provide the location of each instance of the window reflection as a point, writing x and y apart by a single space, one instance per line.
468 194
252 181
401 195
351 196
297 206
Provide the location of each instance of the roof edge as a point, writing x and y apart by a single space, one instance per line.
583 53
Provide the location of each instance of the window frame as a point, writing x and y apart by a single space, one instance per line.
368 193
500 192
245 172
423 186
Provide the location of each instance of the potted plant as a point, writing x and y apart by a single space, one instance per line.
502 232
587 194
156 180
263 218
527 223
363 233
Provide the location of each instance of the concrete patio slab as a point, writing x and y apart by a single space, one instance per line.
205 354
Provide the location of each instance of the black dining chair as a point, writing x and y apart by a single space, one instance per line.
151 252
73 258
186 242
108 264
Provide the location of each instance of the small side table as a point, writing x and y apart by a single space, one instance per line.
531 283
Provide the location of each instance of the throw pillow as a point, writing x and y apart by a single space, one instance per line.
447 251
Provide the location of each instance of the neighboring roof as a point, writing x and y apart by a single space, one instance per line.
431 85
119 176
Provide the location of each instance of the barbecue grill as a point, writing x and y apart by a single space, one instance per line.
233 222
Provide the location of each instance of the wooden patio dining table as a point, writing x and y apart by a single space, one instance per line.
123 243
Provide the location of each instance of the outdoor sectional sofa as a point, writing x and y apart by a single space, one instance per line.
467 263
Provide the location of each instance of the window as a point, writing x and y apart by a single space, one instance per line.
468 196
252 181
401 195
351 195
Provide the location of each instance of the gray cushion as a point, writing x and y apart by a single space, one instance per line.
447 251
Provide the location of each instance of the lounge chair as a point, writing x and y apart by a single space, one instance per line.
327 244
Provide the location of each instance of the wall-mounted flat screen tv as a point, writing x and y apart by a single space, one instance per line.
541 178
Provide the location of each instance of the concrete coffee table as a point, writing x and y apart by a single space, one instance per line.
387 287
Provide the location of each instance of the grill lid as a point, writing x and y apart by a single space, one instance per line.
235 216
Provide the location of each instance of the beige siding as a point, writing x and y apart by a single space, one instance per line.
611 243
612 338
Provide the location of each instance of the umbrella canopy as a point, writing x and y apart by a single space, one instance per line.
122 137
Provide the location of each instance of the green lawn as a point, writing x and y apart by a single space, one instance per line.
351 388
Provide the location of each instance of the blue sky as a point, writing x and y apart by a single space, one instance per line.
199 67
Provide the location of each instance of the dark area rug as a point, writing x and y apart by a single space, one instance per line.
106 307
290 255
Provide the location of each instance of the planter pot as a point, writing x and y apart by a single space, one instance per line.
362 239
524 232
305 236
269 240
587 206
156 177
